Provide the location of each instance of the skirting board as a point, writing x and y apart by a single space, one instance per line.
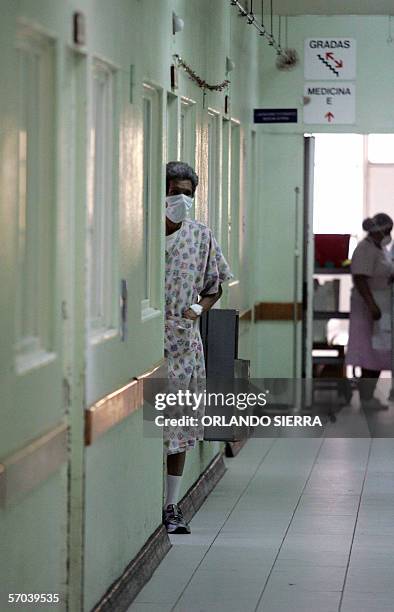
121 593
233 448
198 492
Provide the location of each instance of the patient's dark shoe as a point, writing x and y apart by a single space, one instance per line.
174 521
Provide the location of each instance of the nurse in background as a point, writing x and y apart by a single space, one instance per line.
372 272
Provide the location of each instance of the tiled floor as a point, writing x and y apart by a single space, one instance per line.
295 525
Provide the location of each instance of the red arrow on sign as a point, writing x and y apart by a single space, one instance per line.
338 63
329 116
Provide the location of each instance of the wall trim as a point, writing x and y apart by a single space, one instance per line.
246 315
159 370
33 464
118 405
112 409
277 311
124 590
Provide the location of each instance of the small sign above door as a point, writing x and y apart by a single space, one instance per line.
275 115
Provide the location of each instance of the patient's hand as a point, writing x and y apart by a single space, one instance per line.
190 314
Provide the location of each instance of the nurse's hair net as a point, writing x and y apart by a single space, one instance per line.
378 223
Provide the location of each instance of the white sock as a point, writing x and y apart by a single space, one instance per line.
173 487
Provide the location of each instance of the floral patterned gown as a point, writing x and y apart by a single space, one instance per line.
195 266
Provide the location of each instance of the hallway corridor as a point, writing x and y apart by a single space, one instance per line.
294 525
197 246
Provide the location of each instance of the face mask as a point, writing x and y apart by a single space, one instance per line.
386 240
178 206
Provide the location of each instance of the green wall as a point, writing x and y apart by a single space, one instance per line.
113 488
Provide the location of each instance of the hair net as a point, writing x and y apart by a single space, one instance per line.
379 222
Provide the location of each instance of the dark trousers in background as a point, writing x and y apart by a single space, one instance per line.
367 383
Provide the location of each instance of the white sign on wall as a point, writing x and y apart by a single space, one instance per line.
330 58
329 103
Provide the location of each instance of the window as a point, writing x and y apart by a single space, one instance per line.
172 130
338 204
234 200
379 179
381 148
152 206
36 220
147 109
225 184
102 204
187 138
213 172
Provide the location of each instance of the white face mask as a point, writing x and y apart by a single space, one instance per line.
386 240
178 206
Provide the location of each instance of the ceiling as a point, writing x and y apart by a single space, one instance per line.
325 7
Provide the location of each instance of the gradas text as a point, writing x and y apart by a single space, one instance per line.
329 44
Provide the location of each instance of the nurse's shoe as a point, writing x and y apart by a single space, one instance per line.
374 404
174 521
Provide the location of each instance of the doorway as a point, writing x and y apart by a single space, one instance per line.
350 177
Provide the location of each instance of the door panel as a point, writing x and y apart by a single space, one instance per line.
124 249
33 347
32 402
309 257
280 222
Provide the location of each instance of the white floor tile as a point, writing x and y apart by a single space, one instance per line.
312 557
285 525
162 588
148 607
374 545
190 605
233 557
317 542
371 579
319 503
314 579
367 602
222 586
327 524
293 600
184 556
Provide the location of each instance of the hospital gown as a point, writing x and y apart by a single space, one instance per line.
195 266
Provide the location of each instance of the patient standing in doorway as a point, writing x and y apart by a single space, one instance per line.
194 273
